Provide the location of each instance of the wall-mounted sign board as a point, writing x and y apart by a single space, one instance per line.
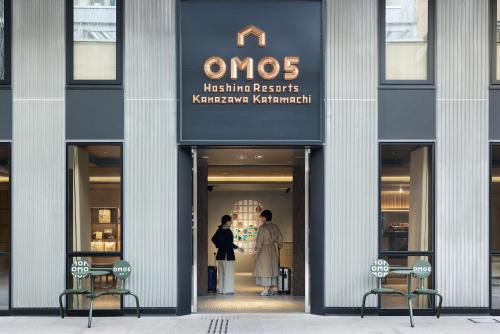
250 72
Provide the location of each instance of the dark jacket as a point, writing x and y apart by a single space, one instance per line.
223 240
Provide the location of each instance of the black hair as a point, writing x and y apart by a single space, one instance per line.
267 214
225 219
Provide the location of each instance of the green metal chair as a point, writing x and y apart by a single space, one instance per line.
421 270
79 270
121 271
380 269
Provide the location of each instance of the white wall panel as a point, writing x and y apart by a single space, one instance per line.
462 152
150 151
351 150
38 175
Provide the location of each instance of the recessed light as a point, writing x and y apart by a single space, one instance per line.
259 157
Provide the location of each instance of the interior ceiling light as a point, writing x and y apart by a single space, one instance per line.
206 157
241 156
104 179
259 157
495 178
395 178
253 178
4 179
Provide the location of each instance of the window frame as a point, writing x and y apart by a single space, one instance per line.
8 254
6 81
431 252
70 254
70 49
430 49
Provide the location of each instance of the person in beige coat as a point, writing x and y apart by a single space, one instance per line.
266 265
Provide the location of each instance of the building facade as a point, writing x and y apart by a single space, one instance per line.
402 132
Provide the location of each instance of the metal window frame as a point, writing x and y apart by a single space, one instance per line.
8 253
491 252
69 252
431 53
70 81
6 81
431 252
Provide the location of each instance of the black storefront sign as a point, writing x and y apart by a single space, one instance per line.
250 72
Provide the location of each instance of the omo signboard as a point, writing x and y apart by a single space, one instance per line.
251 72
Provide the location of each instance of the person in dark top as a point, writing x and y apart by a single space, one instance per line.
223 240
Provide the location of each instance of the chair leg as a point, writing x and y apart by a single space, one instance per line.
137 305
440 303
363 304
90 312
61 308
410 309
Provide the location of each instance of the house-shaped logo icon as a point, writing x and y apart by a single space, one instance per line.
251 30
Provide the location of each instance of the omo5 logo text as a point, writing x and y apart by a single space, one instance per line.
268 68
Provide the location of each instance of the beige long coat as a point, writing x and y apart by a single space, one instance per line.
269 238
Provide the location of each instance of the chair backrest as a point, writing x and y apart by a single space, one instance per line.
422 269
80 269
122 269
380 268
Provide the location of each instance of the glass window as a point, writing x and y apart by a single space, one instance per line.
497 41
4 225
495 199
405 198
101 283
495 282
94 214
406 215
95 38
495 226
406 39
2 39
95 198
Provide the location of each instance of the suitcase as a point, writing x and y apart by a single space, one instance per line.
285 281
212 279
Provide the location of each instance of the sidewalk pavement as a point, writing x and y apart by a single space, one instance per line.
253 324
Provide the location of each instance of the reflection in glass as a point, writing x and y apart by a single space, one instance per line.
400 283
406 197
4 282
406 39
497 28
2 40
94 38
4 225
94 194
101 284
495 198
495 282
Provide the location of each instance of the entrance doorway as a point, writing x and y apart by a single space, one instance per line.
241 183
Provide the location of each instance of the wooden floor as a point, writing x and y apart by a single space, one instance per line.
247 299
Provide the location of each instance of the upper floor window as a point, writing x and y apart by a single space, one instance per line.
4 41
95 41
496 42
406 48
